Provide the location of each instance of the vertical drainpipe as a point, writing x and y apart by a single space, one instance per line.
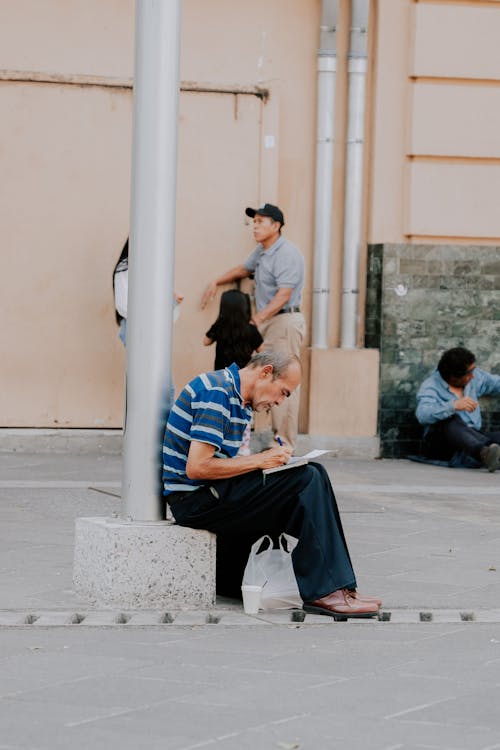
327 67
357 67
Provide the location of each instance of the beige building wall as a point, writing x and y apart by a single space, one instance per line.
432 167
65 112
436 143
247 134
65 130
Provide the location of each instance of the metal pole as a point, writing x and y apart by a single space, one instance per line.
327 67
354 172
151 255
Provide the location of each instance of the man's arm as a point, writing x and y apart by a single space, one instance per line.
239 272
488 384
203 465
431 409
278 301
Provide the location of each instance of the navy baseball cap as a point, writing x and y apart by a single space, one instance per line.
274 213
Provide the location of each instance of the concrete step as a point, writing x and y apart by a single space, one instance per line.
109 442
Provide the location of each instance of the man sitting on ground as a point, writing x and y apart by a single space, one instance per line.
209 487
447 404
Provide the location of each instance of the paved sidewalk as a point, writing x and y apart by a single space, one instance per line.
424 538
421 537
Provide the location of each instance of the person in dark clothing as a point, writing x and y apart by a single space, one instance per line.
208 486
235 337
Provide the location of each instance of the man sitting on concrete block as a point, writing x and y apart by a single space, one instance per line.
208 486
447 404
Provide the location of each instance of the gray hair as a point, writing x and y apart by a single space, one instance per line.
280 361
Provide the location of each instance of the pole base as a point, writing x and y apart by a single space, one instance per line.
143 565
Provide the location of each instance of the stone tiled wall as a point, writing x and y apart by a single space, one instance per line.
422 300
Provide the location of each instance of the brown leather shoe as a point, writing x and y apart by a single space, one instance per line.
340 605
363 598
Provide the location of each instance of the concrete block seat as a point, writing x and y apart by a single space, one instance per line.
148 565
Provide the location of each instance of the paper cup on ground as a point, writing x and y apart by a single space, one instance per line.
251 598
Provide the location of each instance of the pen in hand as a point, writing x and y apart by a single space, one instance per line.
279 440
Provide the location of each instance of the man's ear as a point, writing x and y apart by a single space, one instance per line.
267 370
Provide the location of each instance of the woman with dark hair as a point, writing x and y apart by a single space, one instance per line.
120 291
236 339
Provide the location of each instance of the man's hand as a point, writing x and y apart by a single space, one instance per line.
466 403
280 299
239 272
202 464
274 457
208 294
258 319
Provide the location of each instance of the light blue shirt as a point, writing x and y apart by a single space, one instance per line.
435 400
280 266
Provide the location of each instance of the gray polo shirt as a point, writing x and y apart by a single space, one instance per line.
282 265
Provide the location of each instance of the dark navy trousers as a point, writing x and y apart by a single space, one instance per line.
298 501
451 439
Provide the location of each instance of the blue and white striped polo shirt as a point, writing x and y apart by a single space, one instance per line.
210 410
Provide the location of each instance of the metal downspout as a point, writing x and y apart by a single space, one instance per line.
357 67
327 67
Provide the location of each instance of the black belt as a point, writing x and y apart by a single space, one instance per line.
288 310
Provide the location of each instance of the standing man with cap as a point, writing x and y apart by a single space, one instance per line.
278 267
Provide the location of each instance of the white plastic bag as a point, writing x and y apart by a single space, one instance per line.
273 570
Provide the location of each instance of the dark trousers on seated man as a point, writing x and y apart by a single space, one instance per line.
458 443
298 501
208 486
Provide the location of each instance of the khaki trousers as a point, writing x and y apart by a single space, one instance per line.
283 333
